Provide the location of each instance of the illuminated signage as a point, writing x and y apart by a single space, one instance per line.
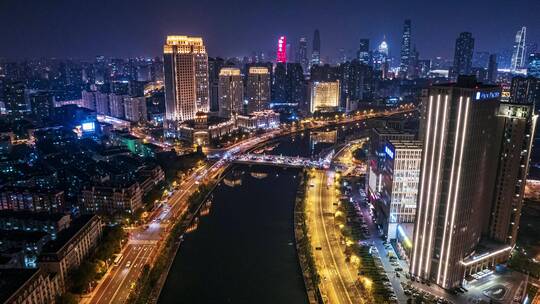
88 126
389 152
487 95
282 49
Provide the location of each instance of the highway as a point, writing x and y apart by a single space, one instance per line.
338 278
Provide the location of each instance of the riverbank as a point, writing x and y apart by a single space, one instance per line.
303 244
150 284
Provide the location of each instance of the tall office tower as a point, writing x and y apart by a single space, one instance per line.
492 69
295 88
518 55
214 66
15 100
533 66
405 58
302 55
316 52
356 81
281 50
279 83
463 55
258 89
457 179
324 96
231 92
364 54
185 64
400 177
518 122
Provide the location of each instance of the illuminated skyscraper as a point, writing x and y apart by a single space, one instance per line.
316 53
463 55
364 54
461 139
185 64
231 92
518 55
405 58
282 49
302 55
258 89
492 69
380 58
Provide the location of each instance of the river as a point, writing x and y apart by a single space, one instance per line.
243 250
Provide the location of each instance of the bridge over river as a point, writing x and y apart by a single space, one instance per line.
278 160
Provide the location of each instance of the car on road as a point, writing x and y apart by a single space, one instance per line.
128 264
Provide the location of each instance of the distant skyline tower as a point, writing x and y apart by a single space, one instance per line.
405 58
316 52
383 47
463 54
185 63
302 54
492 69
518 54
364 54
282 50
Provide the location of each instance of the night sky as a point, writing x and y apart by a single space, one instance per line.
83 29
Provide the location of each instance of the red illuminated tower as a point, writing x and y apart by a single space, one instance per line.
282 49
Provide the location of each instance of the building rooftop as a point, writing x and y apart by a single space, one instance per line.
20 235
34 216
406 144
468 82
64 237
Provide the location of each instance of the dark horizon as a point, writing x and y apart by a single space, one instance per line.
82 30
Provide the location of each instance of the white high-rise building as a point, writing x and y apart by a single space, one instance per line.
401 173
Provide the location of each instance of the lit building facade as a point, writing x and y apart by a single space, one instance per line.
324 96
457 180
258 89
400 176
231 92
185 64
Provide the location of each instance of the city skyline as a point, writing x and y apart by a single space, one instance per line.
116 29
